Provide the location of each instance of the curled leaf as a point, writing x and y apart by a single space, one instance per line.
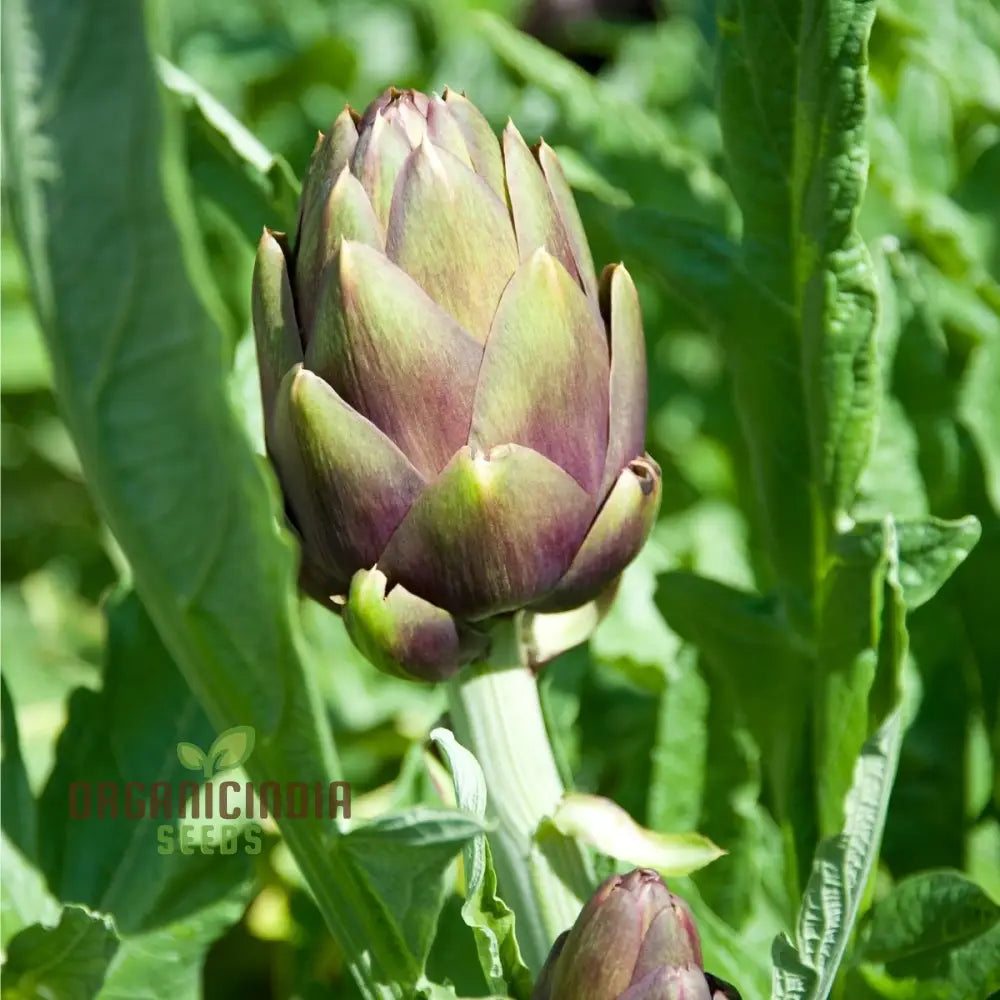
609 829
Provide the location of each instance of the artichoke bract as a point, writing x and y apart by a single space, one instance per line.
454 403
634 940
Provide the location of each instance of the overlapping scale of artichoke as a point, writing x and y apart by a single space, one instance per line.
633 940
454 403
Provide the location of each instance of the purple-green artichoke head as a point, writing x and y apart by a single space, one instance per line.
454 403
634 940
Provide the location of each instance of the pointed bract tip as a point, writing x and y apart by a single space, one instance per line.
429 151
272 242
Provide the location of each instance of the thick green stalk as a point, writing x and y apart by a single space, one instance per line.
497 715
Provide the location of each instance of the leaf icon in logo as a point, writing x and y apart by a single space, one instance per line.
232 748
191 756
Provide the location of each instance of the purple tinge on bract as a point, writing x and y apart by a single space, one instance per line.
633 940
452 398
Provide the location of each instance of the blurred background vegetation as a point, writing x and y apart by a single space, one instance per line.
630 111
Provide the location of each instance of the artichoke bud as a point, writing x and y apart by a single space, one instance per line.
454 402
634 940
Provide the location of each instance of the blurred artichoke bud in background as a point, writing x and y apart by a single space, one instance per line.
634 940
454 403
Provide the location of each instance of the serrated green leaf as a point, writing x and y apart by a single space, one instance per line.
490 919
746 645
792 107
405 858
930 550
68 960
747 884
167 958
850 633
244 143
678 779
806 969
130 398
929 912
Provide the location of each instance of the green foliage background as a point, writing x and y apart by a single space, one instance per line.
757 641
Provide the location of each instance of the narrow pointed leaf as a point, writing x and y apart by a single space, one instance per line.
544 377
453 235
484 912
396 357
607 827
490 533
349 485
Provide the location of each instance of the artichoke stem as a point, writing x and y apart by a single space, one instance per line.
496 713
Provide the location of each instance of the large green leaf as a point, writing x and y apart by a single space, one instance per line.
167 958
843 862
746 646
137 361
405 858
930 550
119 284
800 336
17 804
850 630
238 186
111 863
24 897
937 929
68 960
806 969
933 911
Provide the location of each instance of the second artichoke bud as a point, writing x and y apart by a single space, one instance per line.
454 402
634 940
